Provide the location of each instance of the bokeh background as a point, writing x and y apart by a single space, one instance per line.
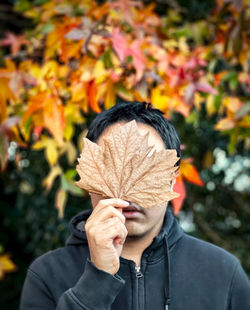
61 62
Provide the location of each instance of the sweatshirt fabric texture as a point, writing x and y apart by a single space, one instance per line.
177 272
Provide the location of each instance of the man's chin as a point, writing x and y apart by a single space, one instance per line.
136 233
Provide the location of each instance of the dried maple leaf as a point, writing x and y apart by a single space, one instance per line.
127 167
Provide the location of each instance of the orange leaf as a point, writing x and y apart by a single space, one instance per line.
36 103
92 96
5 94
232 103
189 172
54 119
51 113
225 123
179 187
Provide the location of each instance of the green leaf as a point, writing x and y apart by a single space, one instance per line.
47 28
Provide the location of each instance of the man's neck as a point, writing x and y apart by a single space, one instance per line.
134 246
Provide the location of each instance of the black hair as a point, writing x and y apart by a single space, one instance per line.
141 112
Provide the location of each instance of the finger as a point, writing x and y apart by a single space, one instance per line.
115 202
106 213
111 229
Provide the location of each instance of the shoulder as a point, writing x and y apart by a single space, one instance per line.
205 255
204 248
59 260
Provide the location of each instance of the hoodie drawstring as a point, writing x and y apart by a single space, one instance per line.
167 291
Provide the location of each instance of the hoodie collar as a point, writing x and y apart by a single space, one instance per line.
170 230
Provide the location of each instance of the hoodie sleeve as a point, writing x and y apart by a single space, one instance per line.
239 296
95 290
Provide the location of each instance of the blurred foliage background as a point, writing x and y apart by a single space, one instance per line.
61 62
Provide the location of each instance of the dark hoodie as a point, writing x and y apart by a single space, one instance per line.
177 272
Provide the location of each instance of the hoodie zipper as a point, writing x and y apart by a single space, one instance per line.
138 275
138 272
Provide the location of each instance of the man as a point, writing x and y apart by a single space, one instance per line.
122 256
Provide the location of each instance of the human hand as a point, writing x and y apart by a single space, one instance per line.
106 234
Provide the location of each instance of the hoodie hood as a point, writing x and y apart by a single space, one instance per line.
170 230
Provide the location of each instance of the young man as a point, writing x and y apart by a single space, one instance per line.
123 256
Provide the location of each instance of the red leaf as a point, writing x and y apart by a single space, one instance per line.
15 42
206 88
179 187
120 44
138 58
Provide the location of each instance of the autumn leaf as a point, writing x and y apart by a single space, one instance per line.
138 58
190 173
54 118
110 98
51 111
6 265
126 167
50 146
5 95
49 180
92 96
14 41
179 187
225 123
120 44
60 201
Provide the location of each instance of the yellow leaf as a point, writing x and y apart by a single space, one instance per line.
49 180
78 91
110 98
6 265
245 122
80 139
198 99
210 106
99 73
70 151
159 100
69 131
60 201
50 146
51 152
72 115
